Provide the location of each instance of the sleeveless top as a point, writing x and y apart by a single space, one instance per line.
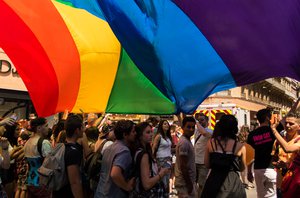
224 179
224 161
33 175
164 148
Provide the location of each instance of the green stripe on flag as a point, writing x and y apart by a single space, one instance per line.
134 93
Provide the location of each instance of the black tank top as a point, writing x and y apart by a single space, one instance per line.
224 161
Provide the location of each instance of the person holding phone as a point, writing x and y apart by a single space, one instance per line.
149 183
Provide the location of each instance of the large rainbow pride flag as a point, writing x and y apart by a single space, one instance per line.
173 55
69 59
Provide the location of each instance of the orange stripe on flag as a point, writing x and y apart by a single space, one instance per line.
53 35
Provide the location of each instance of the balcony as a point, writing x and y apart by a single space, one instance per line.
276 84
224 93
290 94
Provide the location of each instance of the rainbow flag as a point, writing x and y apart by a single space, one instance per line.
192 48
173 55
69 59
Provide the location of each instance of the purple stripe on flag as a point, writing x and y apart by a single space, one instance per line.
256 39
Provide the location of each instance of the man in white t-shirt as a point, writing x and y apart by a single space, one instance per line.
201 136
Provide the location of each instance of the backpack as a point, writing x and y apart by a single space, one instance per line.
157 190
39 146
92 167
52 173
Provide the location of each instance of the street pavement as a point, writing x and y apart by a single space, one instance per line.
251 193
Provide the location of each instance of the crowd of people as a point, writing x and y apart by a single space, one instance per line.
153 158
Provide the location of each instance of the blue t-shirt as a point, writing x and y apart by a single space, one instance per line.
117 154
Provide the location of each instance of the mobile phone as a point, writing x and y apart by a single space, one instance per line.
14 116
274 118
167 164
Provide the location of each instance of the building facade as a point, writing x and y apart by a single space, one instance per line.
279 94
14 97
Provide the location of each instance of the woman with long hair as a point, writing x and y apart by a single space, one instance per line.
226 157
242 137
162 146
148 175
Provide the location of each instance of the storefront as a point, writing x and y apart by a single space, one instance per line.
14 97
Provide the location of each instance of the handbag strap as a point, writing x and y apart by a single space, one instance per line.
40 146
197 139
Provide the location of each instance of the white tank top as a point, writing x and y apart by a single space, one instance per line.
164 149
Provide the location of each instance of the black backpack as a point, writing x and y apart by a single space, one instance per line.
92 167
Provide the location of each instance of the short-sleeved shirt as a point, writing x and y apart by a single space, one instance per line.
73 156
200 145
106 145
185 148
34 159
117 154
262 140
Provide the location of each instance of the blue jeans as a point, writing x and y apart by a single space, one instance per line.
161 162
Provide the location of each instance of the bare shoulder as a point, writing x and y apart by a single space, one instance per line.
157 137
240 148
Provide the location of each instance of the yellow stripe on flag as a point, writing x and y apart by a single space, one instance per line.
99 52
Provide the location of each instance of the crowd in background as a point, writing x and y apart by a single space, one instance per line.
154 158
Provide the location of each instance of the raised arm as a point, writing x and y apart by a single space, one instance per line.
202 130
286 147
